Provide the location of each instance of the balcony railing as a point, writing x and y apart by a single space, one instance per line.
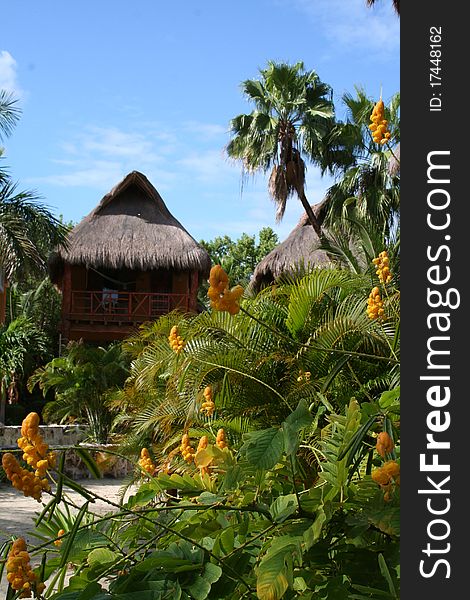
134 307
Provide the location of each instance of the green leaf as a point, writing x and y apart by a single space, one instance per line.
389 398
275 571
263 449
225 542
69 542
88 461
212 573
301 417
291 439
168 562
386 573
283 507
200 589
101 557
312 534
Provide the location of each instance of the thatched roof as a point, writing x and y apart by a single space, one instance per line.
131 227
298 250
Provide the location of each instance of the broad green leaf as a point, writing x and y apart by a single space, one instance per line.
312 534
200 589
225 542
263 449
275 571
389 398
291 439
283 507
101 557
301 417
212 573
142 497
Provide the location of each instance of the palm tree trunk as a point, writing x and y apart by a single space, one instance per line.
310 214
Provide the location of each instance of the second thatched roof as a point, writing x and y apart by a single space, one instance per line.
299 250
131 227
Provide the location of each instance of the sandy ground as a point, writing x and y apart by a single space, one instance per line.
17 513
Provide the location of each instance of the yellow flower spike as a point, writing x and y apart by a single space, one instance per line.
379 125
221 440
384 444
382 263
187 451
146 463
375 306
175 340
221 297
19 573
208 405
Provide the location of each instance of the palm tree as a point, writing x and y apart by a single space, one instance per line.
28 230
9 114
292 116
370 188
396 5
82 380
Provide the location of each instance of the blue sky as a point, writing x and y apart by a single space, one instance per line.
111 86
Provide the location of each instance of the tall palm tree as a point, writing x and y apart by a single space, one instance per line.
9 113
370 188
28 230
293 114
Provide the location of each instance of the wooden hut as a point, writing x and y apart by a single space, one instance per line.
127 262
299 250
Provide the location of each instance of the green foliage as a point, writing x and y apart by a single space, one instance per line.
263 534
238 257
81 380
22 347
368 188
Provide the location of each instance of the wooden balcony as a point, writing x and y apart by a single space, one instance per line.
117 307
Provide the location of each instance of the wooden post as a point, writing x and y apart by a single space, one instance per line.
193 285
66 301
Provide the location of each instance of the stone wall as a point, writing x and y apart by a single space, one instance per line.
60 436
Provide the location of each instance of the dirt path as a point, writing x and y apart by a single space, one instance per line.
17 513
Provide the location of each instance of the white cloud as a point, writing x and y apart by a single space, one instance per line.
208 166
8 75
206 131
351 24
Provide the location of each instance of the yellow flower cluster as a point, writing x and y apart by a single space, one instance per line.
58 541
19 573
186 449
379 125
384 444
36 454
221 297
375 305
221 440
203 443
208 405
176 341
387 477
383 269
304 376
145 462
22 479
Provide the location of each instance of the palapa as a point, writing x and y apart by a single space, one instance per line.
300 250
131 228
